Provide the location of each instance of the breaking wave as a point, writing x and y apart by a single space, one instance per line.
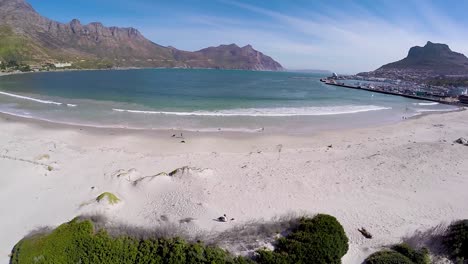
270 112
35 99
433 103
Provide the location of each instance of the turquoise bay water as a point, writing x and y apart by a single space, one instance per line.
208 100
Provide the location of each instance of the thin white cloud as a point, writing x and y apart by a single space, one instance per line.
357 40
343 41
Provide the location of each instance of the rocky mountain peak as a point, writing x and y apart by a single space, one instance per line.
16 5
430 44
48 40
431 50
4 2
433 59
96 25
75 22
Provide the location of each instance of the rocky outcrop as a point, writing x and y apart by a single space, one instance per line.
119 46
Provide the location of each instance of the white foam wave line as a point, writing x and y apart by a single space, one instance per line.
209 130
31 99
435 110
265 112
433 103
71 105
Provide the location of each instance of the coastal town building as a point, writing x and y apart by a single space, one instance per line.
62 64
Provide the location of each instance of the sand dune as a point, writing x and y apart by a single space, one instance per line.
392 180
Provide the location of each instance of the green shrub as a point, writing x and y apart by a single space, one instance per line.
456 241
316 240
77 242
416 256
401 253
271 257
388 257
24 68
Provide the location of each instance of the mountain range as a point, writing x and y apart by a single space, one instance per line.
432 60
26 35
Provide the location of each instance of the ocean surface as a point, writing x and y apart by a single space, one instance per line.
200 100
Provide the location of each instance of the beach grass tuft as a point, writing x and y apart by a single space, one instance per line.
112 198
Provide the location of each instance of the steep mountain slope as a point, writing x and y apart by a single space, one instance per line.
431 60
435 57
47 40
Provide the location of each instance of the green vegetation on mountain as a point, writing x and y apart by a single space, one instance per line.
12 47
315 240
37 40
449 82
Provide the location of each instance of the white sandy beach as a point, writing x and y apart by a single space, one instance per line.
392 180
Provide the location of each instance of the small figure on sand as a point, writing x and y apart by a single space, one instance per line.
365 233
223 218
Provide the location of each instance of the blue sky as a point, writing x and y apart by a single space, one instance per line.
345 36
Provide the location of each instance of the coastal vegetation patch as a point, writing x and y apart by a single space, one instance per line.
401 254
320 239
12 47
79 242
456 241
441 242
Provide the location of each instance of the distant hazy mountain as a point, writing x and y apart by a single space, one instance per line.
431 60
27 35
227 56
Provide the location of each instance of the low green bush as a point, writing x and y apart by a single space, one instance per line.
321 239
313 240
401 253
420 256
77 242
456 241
388 257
